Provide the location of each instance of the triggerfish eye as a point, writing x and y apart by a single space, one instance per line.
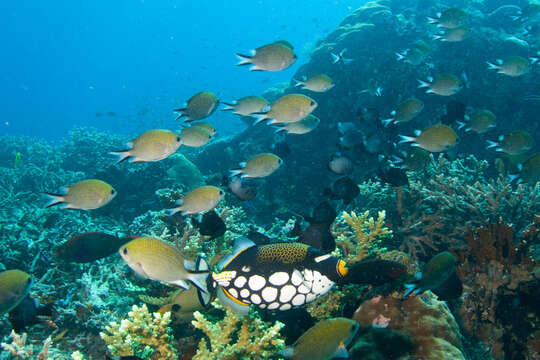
342 268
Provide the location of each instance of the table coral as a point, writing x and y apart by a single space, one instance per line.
143 334
237 337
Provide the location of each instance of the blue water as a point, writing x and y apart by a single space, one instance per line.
65 61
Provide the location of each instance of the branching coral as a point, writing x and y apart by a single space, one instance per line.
143 334
365 237
237 337
20 350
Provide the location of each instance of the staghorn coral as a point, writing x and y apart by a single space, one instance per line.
143 334
365 237
20 350
330 305
237 337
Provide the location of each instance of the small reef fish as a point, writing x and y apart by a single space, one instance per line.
258 166
156 259
247 105
199 106
211 225
14 286
194 136
328 339
270 57
513 143
89 247
529 171
287 109
277 276
480 121
436 138
84 195
405 112
304 126
436 272
513 66
240 188
343 189
452 35
152 145
340 164
414 56
393 176
29 312
450 19
350 135
184 304
206 126
200 199
373 88
415 159
317 233
442 84
340 58
317 83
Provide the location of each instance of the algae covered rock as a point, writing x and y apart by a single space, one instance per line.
184 172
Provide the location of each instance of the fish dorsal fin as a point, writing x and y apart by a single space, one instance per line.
241 244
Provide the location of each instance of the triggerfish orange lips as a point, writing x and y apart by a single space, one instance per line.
342 268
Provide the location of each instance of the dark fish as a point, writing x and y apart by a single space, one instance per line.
88 247
436 272
29 312
343 189
111 113
393 176
450 289
211 225
281 149
323 213
239 187
316 235
455 111
374 272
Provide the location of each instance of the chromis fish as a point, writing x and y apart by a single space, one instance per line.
200 199
258 166
480 121
194 136
240 188
513 143
373 88
156 259
436 138
211 225
442 84
29 312
450 18
14 286
413 56
340 57
84 195
206 126
413 159
304 126
287 109
436 272
152 145
529 171
89 246
405 112
246 105
513 66
199 106
452 35
326 340
184 304
340 164
316 83
343 189
270 57
277 276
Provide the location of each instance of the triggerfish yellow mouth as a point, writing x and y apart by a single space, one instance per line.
342 268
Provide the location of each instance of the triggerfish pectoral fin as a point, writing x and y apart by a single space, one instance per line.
232 303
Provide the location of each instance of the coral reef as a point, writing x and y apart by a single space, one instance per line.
20 350
142 334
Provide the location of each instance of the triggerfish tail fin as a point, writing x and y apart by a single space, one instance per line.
235 305
54 199
120 155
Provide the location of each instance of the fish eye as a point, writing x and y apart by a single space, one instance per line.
178 139
175 307
221 192
113 191
125 251
280 161
312 103
29 281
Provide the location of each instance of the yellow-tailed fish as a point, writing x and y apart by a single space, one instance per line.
14 286
304 126
84 195
203 198
529 171
513 66
450 18
206 126
452 35
435 138
513 143
271 57
328 339
480 121
258 166
435 273
405 112
152 145
156 259
288 109
442 84
194 136
246 105
316 83
199 106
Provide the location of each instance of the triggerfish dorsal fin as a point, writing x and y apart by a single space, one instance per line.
234 304
241 244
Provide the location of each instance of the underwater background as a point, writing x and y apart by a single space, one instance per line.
397 141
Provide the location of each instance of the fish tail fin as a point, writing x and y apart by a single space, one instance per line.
335 58
432 20
491 144
534 60
199 280
514 177
406 139
259 117
171 212
279 129
298 83
400 56
410 288
202 266
492 66
53 199
437 37
461 124
423 84
515 17
387 122
244 59
235 172
181 112
120 155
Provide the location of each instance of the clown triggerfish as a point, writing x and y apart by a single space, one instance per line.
277 276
